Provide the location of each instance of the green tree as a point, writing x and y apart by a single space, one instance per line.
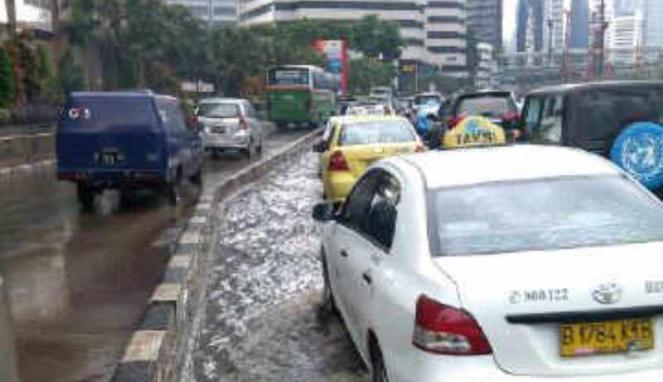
7 80
377 39
70 74
366 73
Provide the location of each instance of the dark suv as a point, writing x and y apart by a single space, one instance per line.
591 115
498 106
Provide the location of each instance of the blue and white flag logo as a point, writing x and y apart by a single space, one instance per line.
639 151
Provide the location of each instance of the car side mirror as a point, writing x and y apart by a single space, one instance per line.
320 146
324 212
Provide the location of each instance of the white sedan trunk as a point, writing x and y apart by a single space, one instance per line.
521 301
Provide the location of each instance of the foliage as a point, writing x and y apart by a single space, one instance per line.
366 73
7 80
5 116
138 41
377 39
70 75
146 43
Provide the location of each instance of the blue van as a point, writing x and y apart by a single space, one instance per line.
126 141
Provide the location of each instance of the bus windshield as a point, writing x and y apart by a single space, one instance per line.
288 76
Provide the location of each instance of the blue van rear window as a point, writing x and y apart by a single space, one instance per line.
118 114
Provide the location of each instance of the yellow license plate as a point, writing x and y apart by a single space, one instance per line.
621 336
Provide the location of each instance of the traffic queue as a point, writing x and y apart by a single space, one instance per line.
501 255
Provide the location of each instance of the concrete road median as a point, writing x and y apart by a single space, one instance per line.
8 371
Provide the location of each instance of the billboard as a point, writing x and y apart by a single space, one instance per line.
336 53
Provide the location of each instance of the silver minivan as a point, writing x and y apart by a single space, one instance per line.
230 124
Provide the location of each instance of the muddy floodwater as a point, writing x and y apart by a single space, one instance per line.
262 321
77 282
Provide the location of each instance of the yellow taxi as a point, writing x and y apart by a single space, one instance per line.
474 131
352 143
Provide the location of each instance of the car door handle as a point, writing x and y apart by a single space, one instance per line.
367 278
344 253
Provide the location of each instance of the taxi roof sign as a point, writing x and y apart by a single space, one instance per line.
474 131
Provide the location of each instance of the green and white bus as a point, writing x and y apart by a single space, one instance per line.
300 94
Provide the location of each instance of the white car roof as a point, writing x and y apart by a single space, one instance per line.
504 163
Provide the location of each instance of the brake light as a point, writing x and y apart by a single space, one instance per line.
242 124
455 120
337 162
442 329
510 116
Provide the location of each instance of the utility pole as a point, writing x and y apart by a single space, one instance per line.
566 66
551 24
603 26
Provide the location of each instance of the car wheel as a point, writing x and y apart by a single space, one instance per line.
172 194
85 196
378 369
172 189
328 299
197 178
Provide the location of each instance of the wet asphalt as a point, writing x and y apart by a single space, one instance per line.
77 282
263 320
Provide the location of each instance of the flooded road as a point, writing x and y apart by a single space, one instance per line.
77 282
262 320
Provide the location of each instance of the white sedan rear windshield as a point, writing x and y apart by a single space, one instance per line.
366 133
543 215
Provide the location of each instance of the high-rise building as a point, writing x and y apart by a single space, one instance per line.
653 23
446 35
486 71
555 25
484 20
434 31
626 39
211 11
529 28
579 24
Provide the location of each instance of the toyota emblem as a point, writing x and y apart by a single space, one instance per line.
607 294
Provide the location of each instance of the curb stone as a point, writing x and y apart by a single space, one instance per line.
8 172
156 351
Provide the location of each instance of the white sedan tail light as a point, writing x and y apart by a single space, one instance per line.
443 329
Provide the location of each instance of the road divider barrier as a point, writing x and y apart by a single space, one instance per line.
157 350
8 371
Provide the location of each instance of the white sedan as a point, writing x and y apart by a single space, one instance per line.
521 263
